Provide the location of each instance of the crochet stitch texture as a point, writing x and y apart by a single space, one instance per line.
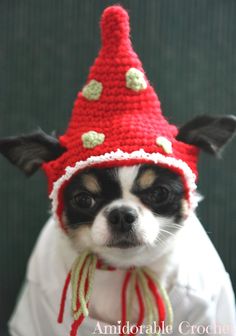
120 106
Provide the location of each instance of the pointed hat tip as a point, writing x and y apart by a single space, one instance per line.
115 26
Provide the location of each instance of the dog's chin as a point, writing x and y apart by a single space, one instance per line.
119 253
126 257
132 253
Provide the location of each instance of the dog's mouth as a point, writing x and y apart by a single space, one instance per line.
124 242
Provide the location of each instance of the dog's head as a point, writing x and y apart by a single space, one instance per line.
129 208
122 213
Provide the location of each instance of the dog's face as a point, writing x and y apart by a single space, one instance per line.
122 210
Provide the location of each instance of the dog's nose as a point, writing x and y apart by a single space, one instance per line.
122 218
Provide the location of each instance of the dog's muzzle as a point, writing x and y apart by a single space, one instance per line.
121 221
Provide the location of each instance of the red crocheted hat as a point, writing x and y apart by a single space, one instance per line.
117 119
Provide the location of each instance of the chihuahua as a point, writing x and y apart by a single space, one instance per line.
129 216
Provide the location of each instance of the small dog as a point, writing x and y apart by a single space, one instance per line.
128 216
122 184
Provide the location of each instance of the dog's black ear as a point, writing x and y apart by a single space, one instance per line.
210 134
28 152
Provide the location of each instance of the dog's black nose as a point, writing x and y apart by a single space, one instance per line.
122 218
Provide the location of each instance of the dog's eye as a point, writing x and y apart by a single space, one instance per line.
159 195
84 200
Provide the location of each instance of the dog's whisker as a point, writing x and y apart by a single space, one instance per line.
166 231
161 241
178 226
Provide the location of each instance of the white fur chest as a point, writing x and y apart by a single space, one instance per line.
105 303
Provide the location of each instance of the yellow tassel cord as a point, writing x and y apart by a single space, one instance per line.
82 279
150 308
86 263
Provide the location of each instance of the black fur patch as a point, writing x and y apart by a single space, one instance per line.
110 190
164 197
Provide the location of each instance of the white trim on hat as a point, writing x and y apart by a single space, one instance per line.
119 155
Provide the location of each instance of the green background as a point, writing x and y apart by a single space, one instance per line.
188 50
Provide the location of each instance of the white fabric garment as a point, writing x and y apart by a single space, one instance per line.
201 293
